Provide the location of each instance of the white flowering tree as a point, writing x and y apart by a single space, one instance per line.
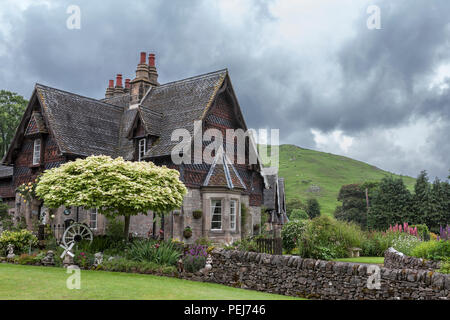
115 186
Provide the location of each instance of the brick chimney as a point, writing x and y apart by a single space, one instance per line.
127 85
140 85
152 73
119 87
110 90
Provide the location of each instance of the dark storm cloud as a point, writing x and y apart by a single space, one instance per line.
382 74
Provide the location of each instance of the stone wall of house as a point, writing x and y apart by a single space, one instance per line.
397 260
317 279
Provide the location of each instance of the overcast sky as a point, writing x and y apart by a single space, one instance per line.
311 68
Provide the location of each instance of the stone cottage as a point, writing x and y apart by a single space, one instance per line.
135 120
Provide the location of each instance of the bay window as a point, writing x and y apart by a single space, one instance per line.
233 210
216 215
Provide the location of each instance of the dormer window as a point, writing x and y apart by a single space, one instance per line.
37 152
141 149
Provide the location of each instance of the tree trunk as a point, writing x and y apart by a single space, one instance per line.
127 227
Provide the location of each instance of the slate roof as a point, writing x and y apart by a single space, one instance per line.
222 173
36 124
180 103
85 126
81 125
5 172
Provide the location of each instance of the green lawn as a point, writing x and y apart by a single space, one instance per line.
371 260
38 283
303 169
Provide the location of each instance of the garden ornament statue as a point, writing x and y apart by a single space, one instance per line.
208 265
180 265
10 249
49 260
98 259
67 254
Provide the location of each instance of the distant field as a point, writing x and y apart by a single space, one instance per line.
310 173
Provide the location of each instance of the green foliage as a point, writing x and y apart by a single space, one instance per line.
162 253
246 244
298 214
294 204
115 186
354 205
20 239
327 238
432 250
405 243
303 168
292 232
28 259
12 107
312 208
6 220
422 231
445 266
125 265
114 229
390 205
193 263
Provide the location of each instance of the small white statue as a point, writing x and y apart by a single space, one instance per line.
208 265
98 259
10 249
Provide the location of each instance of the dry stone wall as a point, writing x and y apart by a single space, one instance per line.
396 260
317 279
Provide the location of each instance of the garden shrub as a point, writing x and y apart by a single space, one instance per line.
298 214
195 259
445 266
422 231
327 238
292 232
246 244
20 239
432 250
125 265
405 243
162 253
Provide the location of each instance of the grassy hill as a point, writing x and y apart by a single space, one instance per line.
310 173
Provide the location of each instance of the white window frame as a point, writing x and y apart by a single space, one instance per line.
141 148
37 151
212 213
233 214
91 213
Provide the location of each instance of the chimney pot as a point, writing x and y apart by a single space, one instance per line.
151 59
111 83
143 54
119 80
127 83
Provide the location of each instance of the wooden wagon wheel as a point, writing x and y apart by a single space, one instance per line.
76 233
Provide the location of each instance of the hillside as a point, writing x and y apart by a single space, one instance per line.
310 173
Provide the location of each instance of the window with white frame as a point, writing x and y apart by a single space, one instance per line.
93 219
141 148
233 210
216 214
37 151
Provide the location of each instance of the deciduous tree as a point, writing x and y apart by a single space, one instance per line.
115 186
